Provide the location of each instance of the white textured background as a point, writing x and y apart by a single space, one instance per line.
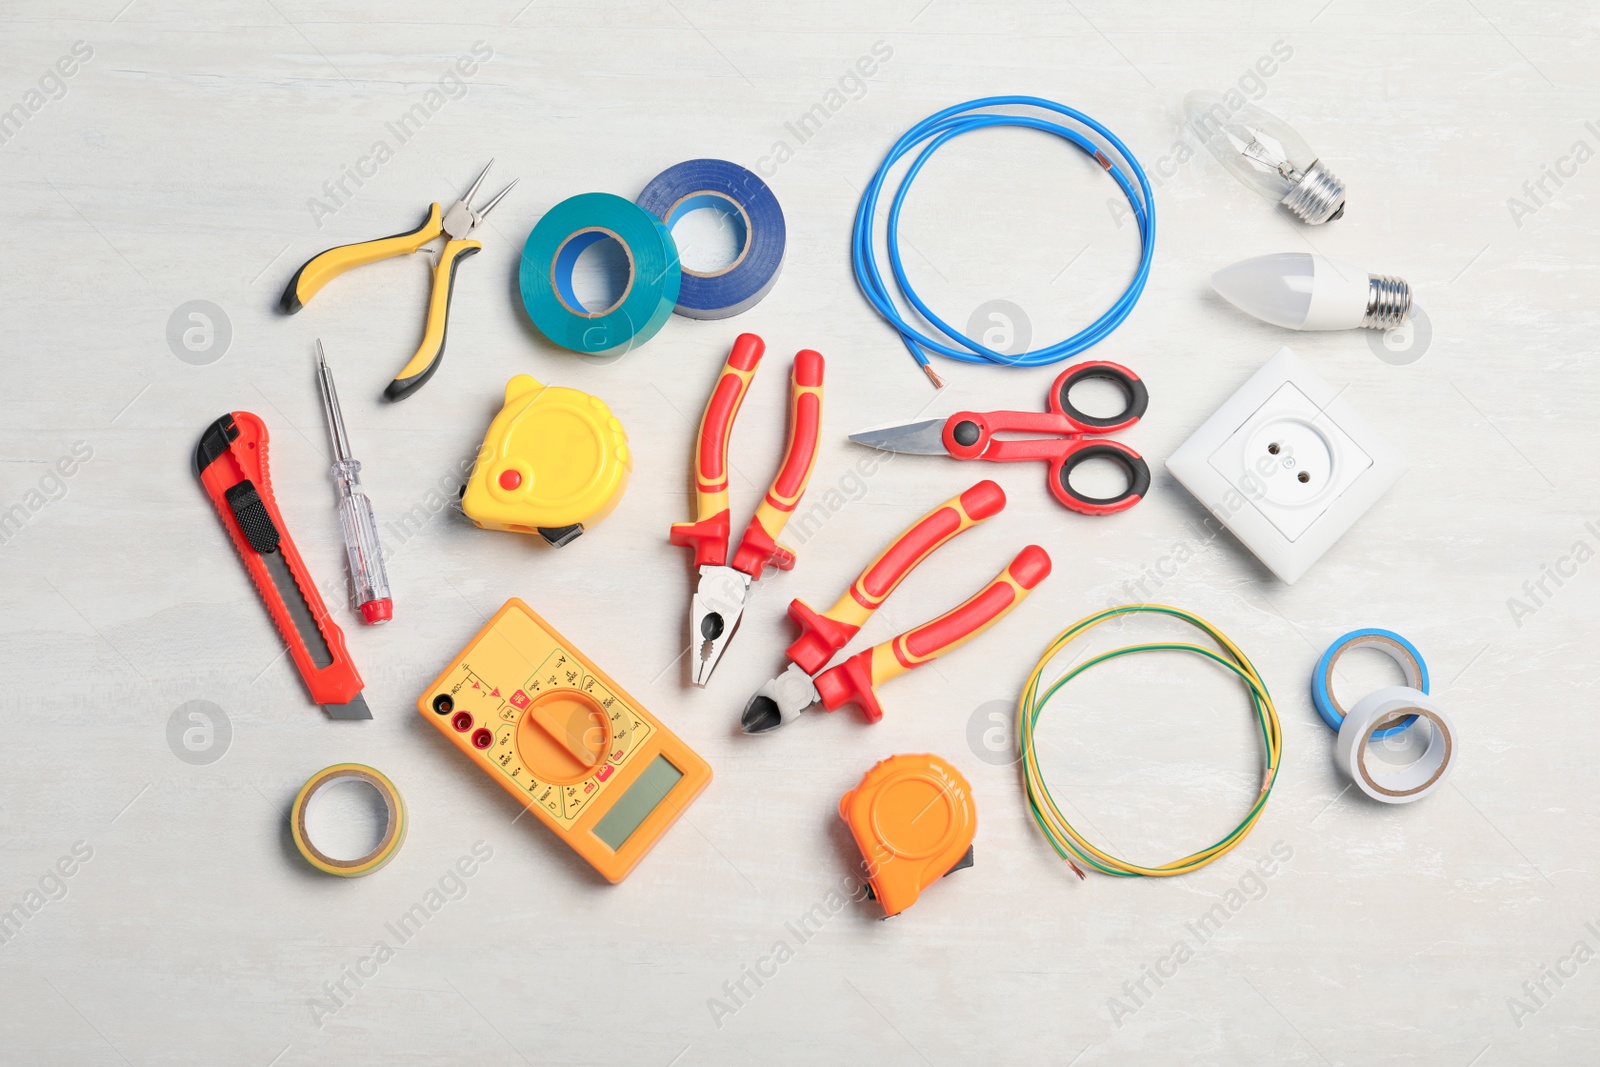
178 166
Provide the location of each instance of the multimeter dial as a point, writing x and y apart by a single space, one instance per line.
564 736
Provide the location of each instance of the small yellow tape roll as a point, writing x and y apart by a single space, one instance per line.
394 833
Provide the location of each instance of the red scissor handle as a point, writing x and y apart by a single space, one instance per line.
1076 452
972 435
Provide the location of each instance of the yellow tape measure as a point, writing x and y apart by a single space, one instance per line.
554 462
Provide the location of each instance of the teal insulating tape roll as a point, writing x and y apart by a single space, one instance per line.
552 250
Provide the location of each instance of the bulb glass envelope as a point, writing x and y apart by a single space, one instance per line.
1267 154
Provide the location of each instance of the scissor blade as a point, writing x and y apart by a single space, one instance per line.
925 437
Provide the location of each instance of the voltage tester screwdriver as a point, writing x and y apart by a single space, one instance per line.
369 584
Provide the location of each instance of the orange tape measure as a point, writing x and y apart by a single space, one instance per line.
913 818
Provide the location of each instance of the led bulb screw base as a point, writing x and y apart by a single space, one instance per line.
1388 302
1317 198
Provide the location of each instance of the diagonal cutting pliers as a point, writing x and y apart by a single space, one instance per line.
724 586
455 226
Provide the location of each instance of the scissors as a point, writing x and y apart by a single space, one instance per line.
1074 437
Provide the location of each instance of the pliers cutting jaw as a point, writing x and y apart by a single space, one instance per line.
455 226
779 701
724 585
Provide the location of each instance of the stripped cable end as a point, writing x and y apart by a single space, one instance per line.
933 376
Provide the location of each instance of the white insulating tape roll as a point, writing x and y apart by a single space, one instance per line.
1372 715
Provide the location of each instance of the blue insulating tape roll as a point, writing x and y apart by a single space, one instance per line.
552 251
1397 648
729 188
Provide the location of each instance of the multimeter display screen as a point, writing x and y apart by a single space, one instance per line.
634 806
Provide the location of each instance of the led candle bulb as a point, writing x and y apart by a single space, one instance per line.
1266 153
1302 291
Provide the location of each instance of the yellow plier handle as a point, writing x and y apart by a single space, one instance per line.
323 267
431 350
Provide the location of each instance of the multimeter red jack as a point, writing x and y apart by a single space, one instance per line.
539 718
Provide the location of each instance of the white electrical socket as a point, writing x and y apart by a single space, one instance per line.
1287 465
1289 461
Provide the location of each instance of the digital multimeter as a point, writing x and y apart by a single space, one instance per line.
538 717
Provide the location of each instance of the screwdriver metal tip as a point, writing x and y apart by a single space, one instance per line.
332 414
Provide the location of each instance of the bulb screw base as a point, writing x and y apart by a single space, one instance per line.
1317 198
1388 302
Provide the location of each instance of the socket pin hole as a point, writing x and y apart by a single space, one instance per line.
1303 476
1273 450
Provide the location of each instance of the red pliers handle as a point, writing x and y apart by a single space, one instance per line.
824 633
709 534
855 681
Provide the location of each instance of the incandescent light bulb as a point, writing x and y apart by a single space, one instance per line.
1265 153
1302 291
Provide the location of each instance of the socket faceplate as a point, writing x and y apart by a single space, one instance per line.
1287 465
1289 461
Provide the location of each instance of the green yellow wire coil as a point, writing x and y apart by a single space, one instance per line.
1067 842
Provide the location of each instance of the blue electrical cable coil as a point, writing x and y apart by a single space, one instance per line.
1391 644
939 128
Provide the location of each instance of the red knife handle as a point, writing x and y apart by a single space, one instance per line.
855 681
231 459
822 634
